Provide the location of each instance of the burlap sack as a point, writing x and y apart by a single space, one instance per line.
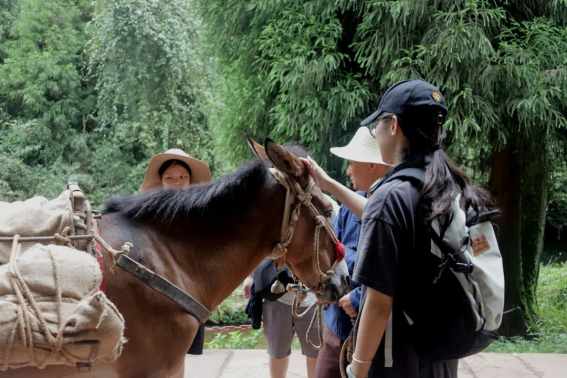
34 217
92 326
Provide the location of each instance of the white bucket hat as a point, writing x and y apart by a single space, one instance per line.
362 148
199 171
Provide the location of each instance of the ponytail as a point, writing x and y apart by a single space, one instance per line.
443 180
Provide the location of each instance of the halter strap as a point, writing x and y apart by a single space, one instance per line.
298 196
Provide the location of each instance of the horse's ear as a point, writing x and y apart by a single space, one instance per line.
284 160
256 148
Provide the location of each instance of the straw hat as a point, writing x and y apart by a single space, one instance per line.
199 171
362 148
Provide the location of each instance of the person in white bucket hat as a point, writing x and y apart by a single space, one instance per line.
364 158
174 168
361 148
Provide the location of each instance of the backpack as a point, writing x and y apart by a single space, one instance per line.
470 268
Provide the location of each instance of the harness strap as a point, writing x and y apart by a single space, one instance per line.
163 286
148 277
297 196
303 196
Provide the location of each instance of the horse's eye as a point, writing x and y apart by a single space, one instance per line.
328 214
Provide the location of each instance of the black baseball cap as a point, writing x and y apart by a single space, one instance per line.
410 99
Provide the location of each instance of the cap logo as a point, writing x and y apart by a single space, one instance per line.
436 96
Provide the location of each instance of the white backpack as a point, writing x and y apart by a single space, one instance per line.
467 249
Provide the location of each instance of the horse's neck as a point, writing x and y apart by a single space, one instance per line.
210 262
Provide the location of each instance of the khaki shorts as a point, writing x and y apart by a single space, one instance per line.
280 326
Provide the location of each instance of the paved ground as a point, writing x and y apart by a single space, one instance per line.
254 364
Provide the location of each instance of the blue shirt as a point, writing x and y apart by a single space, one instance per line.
347 227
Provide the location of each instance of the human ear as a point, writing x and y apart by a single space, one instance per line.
395 126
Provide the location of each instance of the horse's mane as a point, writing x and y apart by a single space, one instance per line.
225 197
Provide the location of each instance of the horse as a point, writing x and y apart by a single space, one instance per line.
206 240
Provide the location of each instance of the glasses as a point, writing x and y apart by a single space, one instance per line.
372 128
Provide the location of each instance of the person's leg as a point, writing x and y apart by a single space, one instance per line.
278 329
278 367
301 325
328 360
311 365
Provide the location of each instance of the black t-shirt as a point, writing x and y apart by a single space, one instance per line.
394 258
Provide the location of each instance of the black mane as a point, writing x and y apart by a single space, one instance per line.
225 197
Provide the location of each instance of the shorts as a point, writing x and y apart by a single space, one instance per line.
329 360
280 326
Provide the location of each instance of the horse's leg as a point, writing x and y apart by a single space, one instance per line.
158 345
158 331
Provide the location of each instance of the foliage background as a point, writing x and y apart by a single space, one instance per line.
89 91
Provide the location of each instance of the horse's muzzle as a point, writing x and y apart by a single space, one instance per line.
338 285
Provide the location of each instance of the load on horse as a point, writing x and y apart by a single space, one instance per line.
168 258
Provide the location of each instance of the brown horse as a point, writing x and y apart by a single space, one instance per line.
206 240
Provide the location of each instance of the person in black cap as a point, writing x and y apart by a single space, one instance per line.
394 262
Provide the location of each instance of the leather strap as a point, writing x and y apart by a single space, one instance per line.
163 286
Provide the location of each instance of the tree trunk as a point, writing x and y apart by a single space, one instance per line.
534 203
505 187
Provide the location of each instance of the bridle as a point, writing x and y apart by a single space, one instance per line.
297 196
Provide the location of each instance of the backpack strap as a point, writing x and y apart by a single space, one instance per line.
452 258
414 175
388 342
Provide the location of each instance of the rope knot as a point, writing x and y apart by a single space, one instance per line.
320 220
126 248
62 238
300 295
279 250
305 198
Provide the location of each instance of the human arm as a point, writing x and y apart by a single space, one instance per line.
377 269
350 303
354 297
373 321
248 284
346 196
345 304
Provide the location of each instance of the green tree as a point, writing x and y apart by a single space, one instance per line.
311 70
287 74
43 97
92 104
151 83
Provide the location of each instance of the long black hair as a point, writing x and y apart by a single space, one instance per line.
443 180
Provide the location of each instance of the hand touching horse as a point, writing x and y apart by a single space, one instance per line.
206 239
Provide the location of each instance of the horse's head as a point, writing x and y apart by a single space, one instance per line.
308 245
